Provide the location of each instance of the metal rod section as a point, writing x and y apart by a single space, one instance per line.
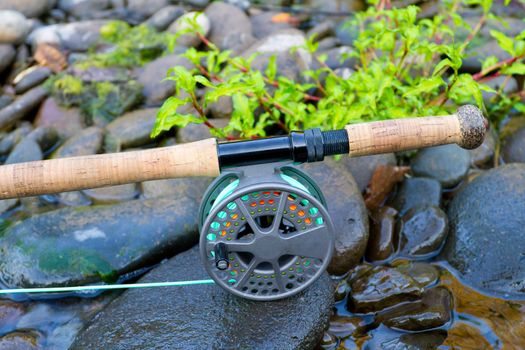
309 146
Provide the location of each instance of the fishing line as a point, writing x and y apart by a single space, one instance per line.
106 287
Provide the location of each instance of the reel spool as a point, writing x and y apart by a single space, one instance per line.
265 232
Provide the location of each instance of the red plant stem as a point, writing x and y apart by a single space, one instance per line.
498 65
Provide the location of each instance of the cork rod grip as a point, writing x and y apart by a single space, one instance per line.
68 174
466 128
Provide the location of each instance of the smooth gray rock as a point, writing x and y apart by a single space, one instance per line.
83 8
86 142
197 317
10 140
415 192
511 85
362 168
30 78
26 150
29 8
322 30
75 246
21 106
486 241
165 16
263 24
112 194
13 27
347 210
513 150
195 132
146 8
7 55
74 36
192 187
448 164
181 23
66 121
132 129
485 152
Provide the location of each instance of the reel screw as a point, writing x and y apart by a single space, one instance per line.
221 256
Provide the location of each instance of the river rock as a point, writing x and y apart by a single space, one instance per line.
382 242
146 8
422 231
13 27
362 168
74 246
45 136
83 8
30 78
21 340
423 273
385 339
10 313
476 55
415 192
181 23
513 150
380 287
183 317
155 90
66 121
322 30
448 164
7 55
9 141
344 326
112 194
329 43
434 310
231 28
165 16
263 24
485 242
195 132
485 152
21 106
29 8
131 130
337 57
26 150
347 210
511 85
86 142
192 187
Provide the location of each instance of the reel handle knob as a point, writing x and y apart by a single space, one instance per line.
467 128
221 256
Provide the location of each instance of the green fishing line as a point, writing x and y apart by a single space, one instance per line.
105 287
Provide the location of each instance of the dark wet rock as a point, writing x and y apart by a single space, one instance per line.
382 241
7 55
6 204
422 231
165 16
45 136
191 187
231 28
21 106
385 339
13 27
146 8
66 121
423 273
337 57
264 25
328 43
511 85
29 8
197 3
26 150
513 149
328 341
176 318
322 30
22 61
484 153
363 167
381 287
347 210
155 90
131 130
223 108
83 8
346 326
20 340
10 313
415 192
486 240
181 23
112 194
30 78
86 142
195 132
73 199
434 310
448 164
341 290
5 100
345 34
75 36
74 246
476 55
10 140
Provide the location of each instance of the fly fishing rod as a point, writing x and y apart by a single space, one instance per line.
265 230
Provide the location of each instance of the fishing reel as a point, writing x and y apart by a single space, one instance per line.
265 233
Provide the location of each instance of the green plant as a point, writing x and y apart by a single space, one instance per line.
403 67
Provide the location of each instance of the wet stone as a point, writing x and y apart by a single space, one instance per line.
26 150
423 273
362 168
415 192
385 339
513 149
20 340
264 24
112 194
10 313
165 16
346 326
434 310
66 121
10 140
175 317
341 290
448 164
86 142
382 241
328 340
131 130
485 242
195 132
381 287
75 246
30 78
21 106
7 55
422 231
347 210
484 153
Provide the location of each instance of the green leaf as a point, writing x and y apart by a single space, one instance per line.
167 116
203 80
271 70
489 62
517 68
506 43
426 85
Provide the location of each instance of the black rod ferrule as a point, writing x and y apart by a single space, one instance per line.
309 146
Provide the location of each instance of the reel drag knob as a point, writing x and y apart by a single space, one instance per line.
265 237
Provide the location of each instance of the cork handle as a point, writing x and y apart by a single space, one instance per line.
68 174
466 128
